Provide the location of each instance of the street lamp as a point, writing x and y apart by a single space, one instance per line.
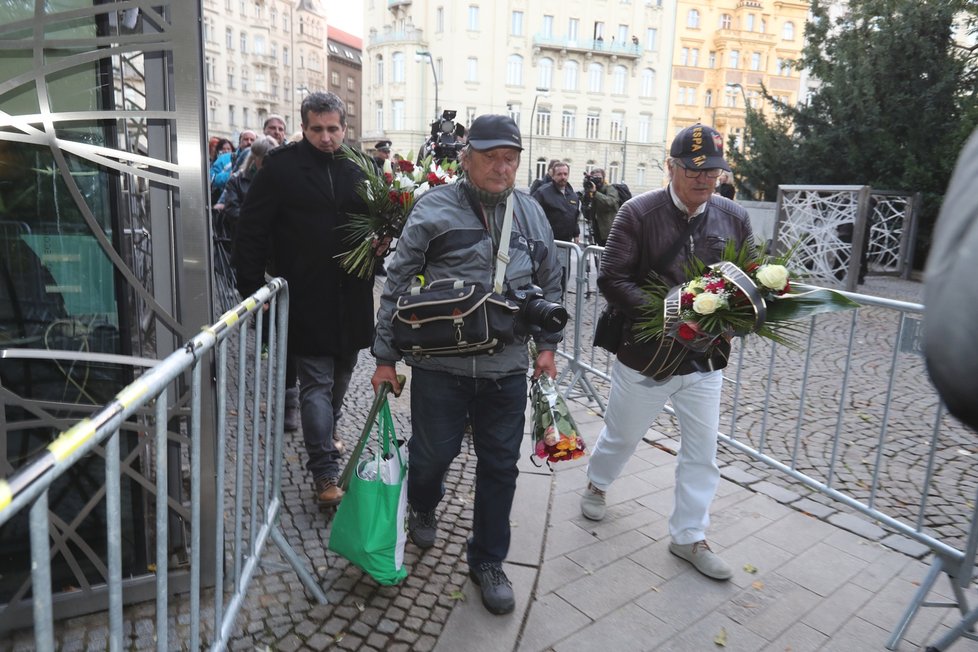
434 74
541 92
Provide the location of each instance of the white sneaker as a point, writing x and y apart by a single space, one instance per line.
593 504
703 559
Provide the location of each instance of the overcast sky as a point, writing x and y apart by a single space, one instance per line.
346 15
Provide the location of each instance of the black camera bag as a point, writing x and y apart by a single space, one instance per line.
453 318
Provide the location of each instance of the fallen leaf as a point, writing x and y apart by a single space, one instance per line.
750 568
339 637
721 638
457 595
360 607
758 585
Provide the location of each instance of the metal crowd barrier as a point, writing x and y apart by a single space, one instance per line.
851 415
256 433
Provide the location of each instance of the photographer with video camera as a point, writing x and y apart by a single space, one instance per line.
446 140
452 235
600 202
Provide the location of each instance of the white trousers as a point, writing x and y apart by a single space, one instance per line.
634 403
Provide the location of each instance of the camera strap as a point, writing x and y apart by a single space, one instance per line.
502 254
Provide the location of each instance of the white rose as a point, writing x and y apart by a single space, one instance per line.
774 277
706 303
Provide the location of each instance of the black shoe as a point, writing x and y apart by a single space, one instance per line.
497 592
422 528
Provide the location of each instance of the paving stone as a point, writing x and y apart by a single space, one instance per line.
905 545
780 494
858 525
738 475
809 506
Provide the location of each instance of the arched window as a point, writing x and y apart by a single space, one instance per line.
571 72
545 73
693 19
514 70
397 68
788 32
648 83
380 69
595 73
620 80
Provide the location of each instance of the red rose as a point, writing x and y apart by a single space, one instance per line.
687 332
395 197
433 179
405 165
686 299
388 177
715 286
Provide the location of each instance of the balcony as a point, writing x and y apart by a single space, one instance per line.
410 36
263 60
721 36
589 46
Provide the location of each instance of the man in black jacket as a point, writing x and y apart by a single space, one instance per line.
560 204
660 231
294 215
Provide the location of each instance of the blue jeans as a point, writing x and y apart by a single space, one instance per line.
440 406
322 385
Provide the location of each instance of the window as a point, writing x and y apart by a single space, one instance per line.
209 73
212 111
598 30
208 30
351 108
379 70
397 114
694 57
595 72
439 69
734 58
730 98
683 56
244 79
750 22
516 24
712 59
783 67
514 70
230 77
285 21
285 56
545 73
397 68
540 168
693 19
571 73
542 127
334 78
614 172
514 112
648 83
440 20
244 43
755 61
725 21
351 134
567 121
259 45
231 117
472 69
469 114
644 125
245 116
708 98
619 80
640 175
273 21
622 34
763 26
473 18
651 34
788 32
229 38
547 30
260 84
573 24
379 117
616 125
593 122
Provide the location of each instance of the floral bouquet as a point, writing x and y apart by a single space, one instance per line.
389 195
555 437
740 295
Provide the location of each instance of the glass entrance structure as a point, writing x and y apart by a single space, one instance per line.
105 258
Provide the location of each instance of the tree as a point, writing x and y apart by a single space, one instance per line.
896 102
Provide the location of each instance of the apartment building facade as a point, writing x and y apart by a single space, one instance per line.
587 81
344 66
724 51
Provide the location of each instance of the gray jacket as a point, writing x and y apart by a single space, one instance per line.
444 238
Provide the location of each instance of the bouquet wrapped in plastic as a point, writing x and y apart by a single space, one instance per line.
555 436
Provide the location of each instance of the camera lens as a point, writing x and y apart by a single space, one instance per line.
551 317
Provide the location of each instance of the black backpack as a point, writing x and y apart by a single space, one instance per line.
624 193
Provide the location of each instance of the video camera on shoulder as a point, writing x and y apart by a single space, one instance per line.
443 143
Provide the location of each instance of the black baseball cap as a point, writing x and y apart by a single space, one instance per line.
699 148
491 131
384 145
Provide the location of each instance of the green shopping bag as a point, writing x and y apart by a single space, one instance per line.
370 526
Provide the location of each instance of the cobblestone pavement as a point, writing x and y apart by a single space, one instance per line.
361 615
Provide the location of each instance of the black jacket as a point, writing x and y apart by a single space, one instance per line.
644 230
294 214
562 210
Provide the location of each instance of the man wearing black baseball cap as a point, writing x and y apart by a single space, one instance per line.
659 232
454 232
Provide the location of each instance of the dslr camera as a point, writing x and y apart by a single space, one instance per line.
536 313
591 182
443 142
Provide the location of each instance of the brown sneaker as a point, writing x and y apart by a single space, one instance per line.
328 494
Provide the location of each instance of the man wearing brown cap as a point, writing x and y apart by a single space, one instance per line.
453 232
659 233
